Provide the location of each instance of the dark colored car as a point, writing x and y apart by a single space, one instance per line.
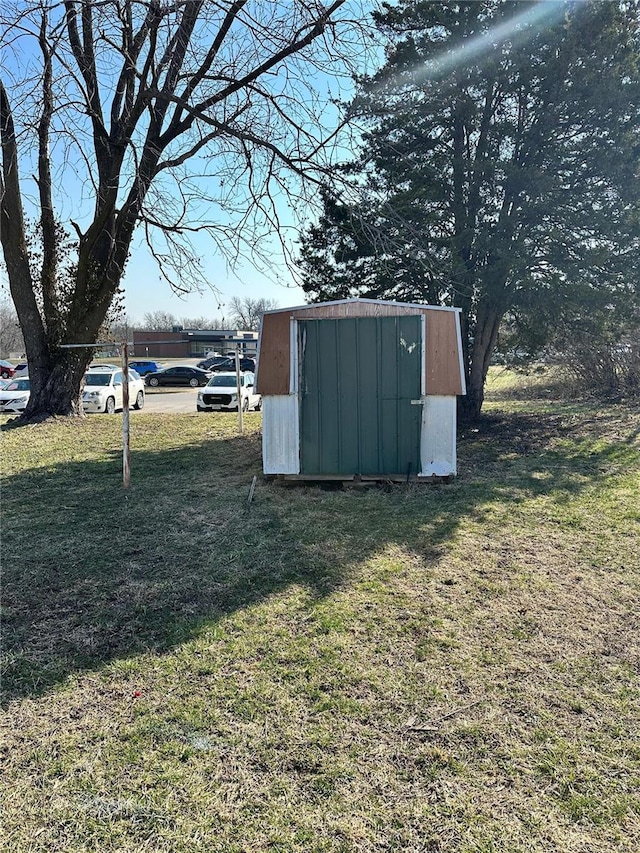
6 369
145 366
179 375
213 361
224 364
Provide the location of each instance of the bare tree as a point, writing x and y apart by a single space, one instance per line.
175 117
165 321
10 334
119 329
246 313
202 322
158 321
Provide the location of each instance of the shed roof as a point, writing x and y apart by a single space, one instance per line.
356 300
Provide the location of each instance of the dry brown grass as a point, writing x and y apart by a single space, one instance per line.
450 668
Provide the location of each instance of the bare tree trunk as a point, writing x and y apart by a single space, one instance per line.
59 388
55 375
486 335
14 245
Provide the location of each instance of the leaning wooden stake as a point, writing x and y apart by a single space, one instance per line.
252 488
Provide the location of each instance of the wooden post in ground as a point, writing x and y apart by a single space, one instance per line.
239 390
126 447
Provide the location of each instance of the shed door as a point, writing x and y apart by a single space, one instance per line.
357 380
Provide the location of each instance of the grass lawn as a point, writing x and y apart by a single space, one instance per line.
395 668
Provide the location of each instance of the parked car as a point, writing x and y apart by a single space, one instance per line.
211 361
7 369
224 364
103 391
221 394
145 366
103 367
21 369
15 395
178 375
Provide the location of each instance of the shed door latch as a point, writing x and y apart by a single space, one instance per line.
419 402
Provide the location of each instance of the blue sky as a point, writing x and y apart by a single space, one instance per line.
146 290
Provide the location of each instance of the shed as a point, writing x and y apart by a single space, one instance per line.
360 388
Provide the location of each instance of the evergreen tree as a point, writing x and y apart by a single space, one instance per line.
499 167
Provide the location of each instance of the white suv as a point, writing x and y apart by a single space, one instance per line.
221 394
103 391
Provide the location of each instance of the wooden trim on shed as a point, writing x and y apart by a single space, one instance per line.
273 368
442 354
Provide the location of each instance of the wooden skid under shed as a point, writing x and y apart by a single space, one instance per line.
357 478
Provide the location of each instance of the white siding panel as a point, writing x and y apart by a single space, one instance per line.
280 435
463 381
438 437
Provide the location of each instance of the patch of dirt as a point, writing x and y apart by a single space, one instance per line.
515 432
524 433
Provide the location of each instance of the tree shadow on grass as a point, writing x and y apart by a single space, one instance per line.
94 574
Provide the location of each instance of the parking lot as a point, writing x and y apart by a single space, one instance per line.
172 400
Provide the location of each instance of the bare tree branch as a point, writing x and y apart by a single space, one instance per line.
150 112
